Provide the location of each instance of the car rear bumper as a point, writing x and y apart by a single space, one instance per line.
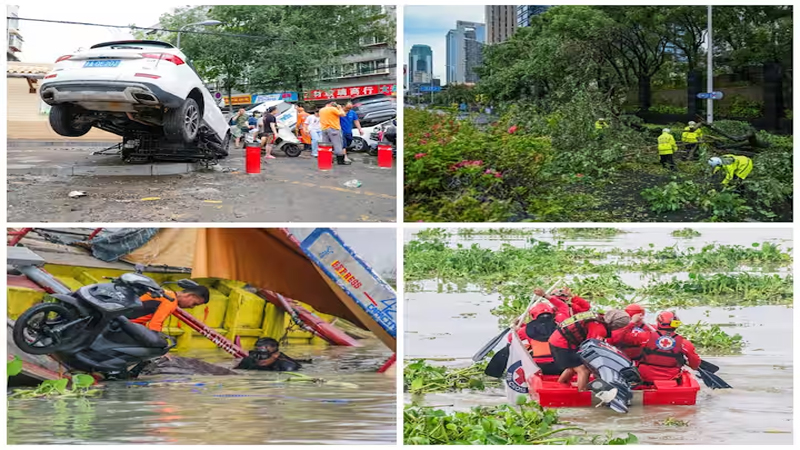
92 91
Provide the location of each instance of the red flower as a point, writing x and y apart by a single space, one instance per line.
420 155
427 135
423 141
579 175
512 130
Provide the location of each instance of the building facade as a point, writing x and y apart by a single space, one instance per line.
420 64
464 52
501 22
14 38
525 13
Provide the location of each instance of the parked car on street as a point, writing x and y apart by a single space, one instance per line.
375 109
145 91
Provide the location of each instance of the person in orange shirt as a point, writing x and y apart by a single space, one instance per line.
156 310
302 130
332 129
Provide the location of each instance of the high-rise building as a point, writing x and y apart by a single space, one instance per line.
420 64
464 52
501 22
14 36
526 12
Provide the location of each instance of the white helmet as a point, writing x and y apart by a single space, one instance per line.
715 161
666 130
692 123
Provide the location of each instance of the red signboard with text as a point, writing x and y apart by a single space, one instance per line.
350 92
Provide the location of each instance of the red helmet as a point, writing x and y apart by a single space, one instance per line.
539 309
633 309
667 320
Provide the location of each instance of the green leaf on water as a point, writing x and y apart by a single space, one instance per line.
416 385
82 381
13 367
58 386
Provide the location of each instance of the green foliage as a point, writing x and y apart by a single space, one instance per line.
686 233
722 290
711 339
584 233
668 109
432 234
80 386
672 197
421 378
742 108
496 425
13 367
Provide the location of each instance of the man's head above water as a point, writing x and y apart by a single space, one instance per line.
193 296
267 345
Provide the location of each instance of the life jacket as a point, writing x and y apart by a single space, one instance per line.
634 352
666 144
663 350
574 328
538 333
540 351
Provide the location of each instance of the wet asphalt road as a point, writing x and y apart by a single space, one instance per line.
287 190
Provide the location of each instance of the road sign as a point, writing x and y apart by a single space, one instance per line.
430 88
716 95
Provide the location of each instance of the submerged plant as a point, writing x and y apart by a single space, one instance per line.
686 233
419 377
711 339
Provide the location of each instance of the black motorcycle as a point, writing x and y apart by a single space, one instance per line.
87 329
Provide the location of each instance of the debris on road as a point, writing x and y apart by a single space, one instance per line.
353 184
150 199
77 194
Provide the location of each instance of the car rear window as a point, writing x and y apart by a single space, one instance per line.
135 44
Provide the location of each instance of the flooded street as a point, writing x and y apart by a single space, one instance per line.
449 328
235 410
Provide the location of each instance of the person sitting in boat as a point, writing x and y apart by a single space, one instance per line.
267 356
156 310
565 303
535 336
630 339
572 332
666 352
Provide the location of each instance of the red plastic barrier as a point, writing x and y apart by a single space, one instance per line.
325 156
253 159
385 156
389 363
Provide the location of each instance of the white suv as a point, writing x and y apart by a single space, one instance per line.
145 91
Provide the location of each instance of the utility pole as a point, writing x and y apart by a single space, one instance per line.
710 75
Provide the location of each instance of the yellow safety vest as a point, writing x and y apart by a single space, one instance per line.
741 166
600 125
666 144
689 136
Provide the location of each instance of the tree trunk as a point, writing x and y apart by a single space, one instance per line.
773 95
644 92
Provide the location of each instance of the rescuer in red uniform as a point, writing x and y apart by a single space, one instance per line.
572 332
631 338
666 352
565 303
535 335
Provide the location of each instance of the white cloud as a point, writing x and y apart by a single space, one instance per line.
429 25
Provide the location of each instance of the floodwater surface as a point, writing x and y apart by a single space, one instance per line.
236 410
450 327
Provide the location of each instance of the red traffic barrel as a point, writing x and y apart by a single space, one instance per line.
385 155
325 156
252 159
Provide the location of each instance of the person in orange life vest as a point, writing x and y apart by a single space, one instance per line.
536 334
666 352
631 338
155 311
572 332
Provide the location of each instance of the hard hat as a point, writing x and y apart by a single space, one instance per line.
692 123
634 309
715 161
616 319
667 320
601 120
666 130
541 308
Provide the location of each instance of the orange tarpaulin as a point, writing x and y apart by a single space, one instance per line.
263 257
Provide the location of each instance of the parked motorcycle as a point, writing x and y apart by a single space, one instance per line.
88 330
286 141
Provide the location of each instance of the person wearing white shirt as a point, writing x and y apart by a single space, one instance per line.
314 129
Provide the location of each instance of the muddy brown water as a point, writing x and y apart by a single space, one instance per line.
235 410
450 327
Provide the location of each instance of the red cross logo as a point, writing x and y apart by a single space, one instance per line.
519 376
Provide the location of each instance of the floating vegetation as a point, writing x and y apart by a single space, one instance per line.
497 232
711 339
432 234
673 422
686 233
586 233
419 377
720 289
496 425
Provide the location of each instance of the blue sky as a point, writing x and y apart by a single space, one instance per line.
429 24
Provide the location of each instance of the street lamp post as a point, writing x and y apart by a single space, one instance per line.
710 73
205 23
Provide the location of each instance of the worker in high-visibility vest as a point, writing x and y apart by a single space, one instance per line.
690 138
666 148
736 167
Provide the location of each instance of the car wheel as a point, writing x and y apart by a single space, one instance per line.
226 144
358 145
63 120
182 124
292 150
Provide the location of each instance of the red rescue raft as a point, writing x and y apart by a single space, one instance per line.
668 392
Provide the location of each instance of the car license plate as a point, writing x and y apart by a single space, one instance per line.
102 63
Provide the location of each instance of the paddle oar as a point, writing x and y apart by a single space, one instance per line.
712 380
493 343
705 365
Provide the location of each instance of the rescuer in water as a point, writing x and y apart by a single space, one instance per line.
267 356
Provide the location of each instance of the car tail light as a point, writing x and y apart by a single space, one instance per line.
52 75
147 75
174 59
63 58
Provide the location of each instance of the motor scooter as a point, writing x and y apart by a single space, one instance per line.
286 140
87 330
